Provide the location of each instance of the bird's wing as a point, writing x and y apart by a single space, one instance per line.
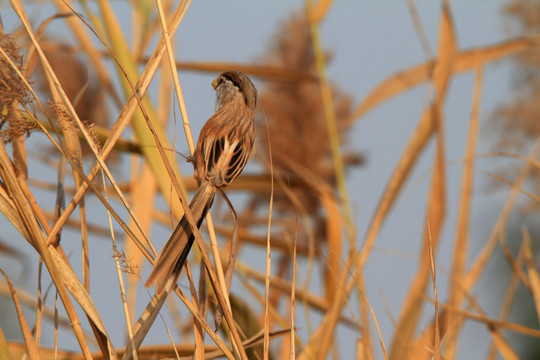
224 159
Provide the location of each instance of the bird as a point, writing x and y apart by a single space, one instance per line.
225 143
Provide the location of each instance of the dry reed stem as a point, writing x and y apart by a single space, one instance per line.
119 126
366 348
117 259
147 114
142 195
534 277
498 340
329 112
505 350
461 241
67 103
128 71
334 237
266 324
276 283
28 300
17 351
82 188
521 189
510 291
30 344
292 346
274 313
437 338
479 263
142 326
39 307
36 237
198 333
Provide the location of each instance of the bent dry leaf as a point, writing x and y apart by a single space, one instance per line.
79 293
413 303
416 75
31 346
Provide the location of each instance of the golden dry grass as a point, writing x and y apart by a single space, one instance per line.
298 208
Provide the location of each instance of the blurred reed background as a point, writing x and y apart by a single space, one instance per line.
91 118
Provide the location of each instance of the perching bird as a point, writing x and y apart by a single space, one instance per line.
223 149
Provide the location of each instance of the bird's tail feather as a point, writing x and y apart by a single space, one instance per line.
172 257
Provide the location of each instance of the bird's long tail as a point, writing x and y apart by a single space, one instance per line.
172 257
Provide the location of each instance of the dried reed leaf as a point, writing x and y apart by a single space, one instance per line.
123 120
534 277
275 315
494 328
233 252
268 262
279 241
367 350
249 343
145 352
77 290
413 303
146 116
492 323
249 319
451 323
410 155
416 75
479 264
143 193
503 347
277 283
334 240
8 208
436 326
30 301
30 344
292 302
36 237
12 252
521 189
510 293
143 324
199 304
268 72
320 10
67 118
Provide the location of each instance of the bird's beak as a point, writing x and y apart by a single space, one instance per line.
215 83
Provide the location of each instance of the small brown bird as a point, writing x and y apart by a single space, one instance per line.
223 149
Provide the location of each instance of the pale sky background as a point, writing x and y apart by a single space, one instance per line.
370 40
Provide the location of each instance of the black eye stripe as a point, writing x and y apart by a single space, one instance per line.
226 77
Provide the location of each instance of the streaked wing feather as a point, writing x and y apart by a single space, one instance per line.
223 159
